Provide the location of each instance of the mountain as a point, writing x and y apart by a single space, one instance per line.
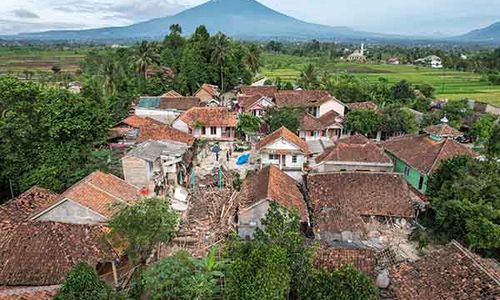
487 34
245 19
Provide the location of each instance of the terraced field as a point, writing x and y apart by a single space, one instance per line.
19 60
449 84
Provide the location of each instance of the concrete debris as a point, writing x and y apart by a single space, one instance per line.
383 279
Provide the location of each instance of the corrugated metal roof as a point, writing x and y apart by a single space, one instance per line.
152 150
149 102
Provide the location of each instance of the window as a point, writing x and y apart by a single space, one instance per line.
203 130
274 157
213 130
421 183
294 159
316 133
407 171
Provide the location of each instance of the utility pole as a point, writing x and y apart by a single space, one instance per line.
11 189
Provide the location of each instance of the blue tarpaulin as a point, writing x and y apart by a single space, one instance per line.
242 159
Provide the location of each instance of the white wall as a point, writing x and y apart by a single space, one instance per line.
180 125
164 116
331 105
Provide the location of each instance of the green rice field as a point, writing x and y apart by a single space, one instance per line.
450 84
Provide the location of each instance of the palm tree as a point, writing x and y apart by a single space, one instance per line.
252 58
144 57
111 72
309 78
221 53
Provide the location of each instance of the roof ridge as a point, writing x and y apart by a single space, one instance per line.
470 255
438 155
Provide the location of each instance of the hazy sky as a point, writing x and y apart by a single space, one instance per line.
425 17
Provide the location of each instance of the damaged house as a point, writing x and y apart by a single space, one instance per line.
343 202
259 190
152 165
453 272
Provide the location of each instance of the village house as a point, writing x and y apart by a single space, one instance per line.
342 203
255 105
452 272
152 165
418 156
393 60
35 256
164 133
212 123
484 108
284 149
165 108
369 105
354 153
328 126
432 61
317 103
259 190
126 132
208 94
92 200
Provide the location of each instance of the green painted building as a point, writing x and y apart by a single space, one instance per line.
418 156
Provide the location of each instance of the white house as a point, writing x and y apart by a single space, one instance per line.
213 123
317 103
328 126
432 61
284 149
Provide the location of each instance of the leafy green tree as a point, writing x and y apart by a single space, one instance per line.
464 195
483 127
144 57
256 271
284 117
144 226
394 120
183 277
282 228
422 104
347 88
308 78
493 144
83 283
426 89
402 92
363 121
345 283
248 124
48 135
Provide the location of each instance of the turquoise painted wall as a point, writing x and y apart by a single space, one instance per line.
413 176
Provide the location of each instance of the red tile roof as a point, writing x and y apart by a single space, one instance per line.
332 258
266 90
212 90
245 101
423 153
271 183
172 94
363 105
103 193
450 273
164 133
309 123
286 134
23 206
138 122
330 118
367 194
303 98
179 103
209 116
443 130
29 292
41 253
356 148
